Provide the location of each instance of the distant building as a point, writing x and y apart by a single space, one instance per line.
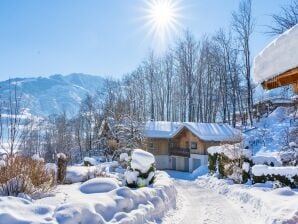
277 64
268 105
183 146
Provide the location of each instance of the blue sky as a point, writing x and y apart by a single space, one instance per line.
101 37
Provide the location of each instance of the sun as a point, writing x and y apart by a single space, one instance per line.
162 19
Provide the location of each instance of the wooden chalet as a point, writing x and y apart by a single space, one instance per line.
183 146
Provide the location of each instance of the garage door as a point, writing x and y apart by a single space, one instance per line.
196 163
186 164
173 163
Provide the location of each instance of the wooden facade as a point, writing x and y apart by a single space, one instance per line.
287 78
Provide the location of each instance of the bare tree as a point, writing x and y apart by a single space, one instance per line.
287 18
243 24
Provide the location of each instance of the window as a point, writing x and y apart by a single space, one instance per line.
150 145
193 145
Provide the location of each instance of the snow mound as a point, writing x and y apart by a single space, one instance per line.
99 185
265 160
231 151
90 160
141 160
285 191
260 170
278 57
14 210
75 174
124 157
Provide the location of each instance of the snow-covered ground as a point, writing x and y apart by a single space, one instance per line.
270 133
210 200
99 200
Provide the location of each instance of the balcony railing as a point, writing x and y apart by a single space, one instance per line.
179 152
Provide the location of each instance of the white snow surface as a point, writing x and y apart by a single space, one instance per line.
141 160
278 57
99 185
262 160
205 131
231 151
75 174
260 202
288 171
70 205
91 160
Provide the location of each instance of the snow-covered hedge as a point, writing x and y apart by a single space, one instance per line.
230 161
141 169
121 205
287 176
265 160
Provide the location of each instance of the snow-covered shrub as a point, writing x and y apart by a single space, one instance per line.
287 176
89 161
289 155
141 169
24 175
265 160
61 170
230 161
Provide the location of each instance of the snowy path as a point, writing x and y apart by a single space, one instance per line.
198 205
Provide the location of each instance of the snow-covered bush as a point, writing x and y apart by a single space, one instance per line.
89 161
230 161
287 176
289 155
141 169
24 175
265 160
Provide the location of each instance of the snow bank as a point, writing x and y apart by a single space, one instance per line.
14 210
99 185
260 170
141 160
265 205
231 151
278 57
70 205
265 160
75 174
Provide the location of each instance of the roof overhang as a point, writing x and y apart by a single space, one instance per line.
287 78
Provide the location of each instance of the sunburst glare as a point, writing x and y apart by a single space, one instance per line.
162 19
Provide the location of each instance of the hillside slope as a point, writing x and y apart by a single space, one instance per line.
55 94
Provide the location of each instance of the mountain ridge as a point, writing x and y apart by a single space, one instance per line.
44 96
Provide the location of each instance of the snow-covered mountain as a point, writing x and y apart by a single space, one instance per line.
55 94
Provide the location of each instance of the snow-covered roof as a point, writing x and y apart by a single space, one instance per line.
278 57
161 129
204 131
277 100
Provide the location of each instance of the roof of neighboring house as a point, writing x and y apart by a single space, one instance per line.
277 100
161 129
204 131
278 57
